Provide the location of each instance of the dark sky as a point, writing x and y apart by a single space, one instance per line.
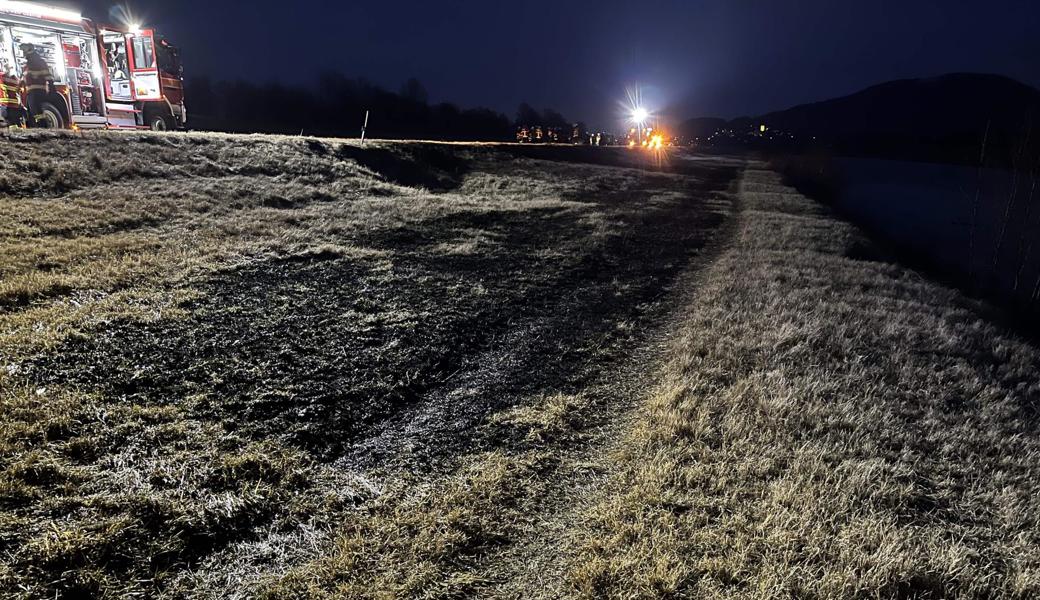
691 58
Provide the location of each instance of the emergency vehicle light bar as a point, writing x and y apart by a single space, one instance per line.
40 11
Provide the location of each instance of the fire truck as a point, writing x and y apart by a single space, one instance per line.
103 76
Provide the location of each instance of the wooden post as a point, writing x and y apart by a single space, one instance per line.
363 127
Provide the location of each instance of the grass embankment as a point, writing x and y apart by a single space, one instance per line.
827 425
233 364
280 367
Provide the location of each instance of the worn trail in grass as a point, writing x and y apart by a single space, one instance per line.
827 424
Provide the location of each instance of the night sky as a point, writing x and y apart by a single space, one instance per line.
695 58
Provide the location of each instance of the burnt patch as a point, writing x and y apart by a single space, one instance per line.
384 344
428 166
318 351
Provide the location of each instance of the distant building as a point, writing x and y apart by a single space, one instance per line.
758 135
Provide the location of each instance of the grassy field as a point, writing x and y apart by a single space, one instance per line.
247 366
827 424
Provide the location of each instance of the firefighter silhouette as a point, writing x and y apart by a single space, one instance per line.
38 79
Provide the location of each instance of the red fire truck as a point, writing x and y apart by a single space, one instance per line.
103 77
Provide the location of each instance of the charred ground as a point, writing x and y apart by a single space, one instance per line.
323 310
319 348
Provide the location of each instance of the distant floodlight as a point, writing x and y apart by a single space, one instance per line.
135 29
639 114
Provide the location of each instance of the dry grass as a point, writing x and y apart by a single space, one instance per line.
92 485
825 427
425 543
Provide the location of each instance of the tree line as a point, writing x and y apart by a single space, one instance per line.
336 106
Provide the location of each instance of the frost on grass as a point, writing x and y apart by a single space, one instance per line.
826 426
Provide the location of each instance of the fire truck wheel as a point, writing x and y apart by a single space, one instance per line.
50 117
161 122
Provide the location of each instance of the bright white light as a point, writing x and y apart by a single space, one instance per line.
639 114
39 10
135 29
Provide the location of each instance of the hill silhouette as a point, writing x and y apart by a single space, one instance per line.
945 117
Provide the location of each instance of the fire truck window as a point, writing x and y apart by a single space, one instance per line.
169 62
117 66
115 58
144 53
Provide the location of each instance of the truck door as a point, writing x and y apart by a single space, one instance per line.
170 72
117 66
144 71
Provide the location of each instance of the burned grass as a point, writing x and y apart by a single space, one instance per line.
221 353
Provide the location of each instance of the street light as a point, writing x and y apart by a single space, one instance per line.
639 116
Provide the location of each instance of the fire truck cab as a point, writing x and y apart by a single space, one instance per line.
143 76
67 44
